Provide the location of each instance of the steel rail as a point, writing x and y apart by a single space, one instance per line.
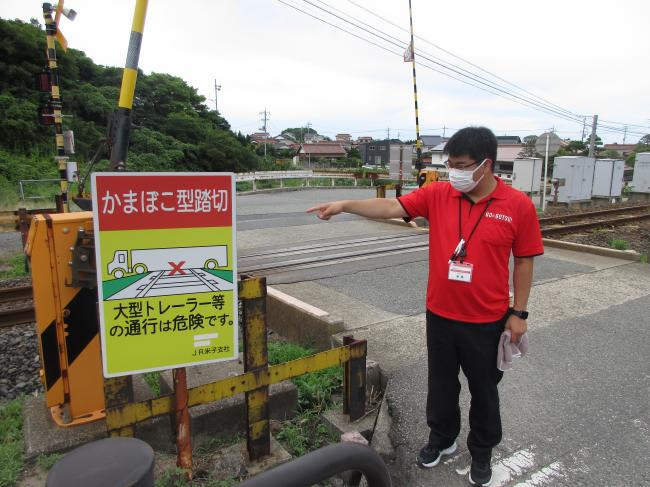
303 249
9 294
17 316
546 231
589 214
334 258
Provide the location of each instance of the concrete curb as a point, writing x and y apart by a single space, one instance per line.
593 249
300 322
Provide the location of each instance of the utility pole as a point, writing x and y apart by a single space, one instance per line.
265 117
625 134
444 131
388 133
217 88
584 129
592 141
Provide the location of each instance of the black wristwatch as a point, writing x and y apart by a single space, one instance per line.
521 314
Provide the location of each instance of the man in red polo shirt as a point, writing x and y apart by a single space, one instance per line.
475 223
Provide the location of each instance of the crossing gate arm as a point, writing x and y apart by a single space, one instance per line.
130 414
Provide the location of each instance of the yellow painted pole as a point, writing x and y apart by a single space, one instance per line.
122 121
418 143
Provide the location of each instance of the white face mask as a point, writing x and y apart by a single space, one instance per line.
463 181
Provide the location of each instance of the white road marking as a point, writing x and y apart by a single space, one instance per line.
543 476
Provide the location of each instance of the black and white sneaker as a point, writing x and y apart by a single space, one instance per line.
430 457
480 473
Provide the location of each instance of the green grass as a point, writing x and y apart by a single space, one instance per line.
306 432
153 381
315 389
619 244
12 265
46 462
643 259
11 442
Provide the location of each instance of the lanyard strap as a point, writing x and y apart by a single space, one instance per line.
462 251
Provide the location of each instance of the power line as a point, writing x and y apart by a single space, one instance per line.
545 106
508 95
456 56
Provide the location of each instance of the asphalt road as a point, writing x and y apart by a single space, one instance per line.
575 411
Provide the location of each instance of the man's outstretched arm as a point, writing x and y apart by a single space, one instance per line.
370 208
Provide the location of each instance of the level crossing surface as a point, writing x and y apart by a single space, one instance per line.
575 410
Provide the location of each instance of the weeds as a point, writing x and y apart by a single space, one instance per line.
643 259
11 442
619 244
306 432
153 381
12 265
46 462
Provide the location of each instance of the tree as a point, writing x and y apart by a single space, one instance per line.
298 133
528 148
173 129
645 140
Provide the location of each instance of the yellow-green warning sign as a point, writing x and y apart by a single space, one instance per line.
166 261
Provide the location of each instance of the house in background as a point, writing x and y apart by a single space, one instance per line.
506 155
623 149
377 152
429 142
345 140
508 139
309 153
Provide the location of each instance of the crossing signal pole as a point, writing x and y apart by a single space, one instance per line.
418 143
51 113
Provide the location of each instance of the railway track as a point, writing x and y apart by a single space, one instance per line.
340 252
590 214
593 219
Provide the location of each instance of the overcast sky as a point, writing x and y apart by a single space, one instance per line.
584 56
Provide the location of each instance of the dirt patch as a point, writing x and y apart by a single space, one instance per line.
633 237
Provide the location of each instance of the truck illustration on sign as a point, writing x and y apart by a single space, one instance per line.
139 261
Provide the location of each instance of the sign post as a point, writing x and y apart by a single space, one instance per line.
167 277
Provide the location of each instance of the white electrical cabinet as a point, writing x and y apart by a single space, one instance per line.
641 178
575 176
527 174
608 178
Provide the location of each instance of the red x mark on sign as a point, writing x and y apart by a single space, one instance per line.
176 268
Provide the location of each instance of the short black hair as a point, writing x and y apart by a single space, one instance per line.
476 142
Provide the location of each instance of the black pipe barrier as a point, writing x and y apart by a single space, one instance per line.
322 464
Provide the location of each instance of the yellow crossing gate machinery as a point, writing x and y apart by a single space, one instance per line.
61 250
427 175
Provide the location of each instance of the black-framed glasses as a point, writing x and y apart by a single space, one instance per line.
464 167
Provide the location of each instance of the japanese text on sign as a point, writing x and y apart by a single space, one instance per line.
180 201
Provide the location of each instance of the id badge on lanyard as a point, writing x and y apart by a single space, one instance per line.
460 271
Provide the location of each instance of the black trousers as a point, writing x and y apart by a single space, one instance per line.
453 345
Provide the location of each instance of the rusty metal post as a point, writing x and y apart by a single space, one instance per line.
183 433
356 380
256 360
118 391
